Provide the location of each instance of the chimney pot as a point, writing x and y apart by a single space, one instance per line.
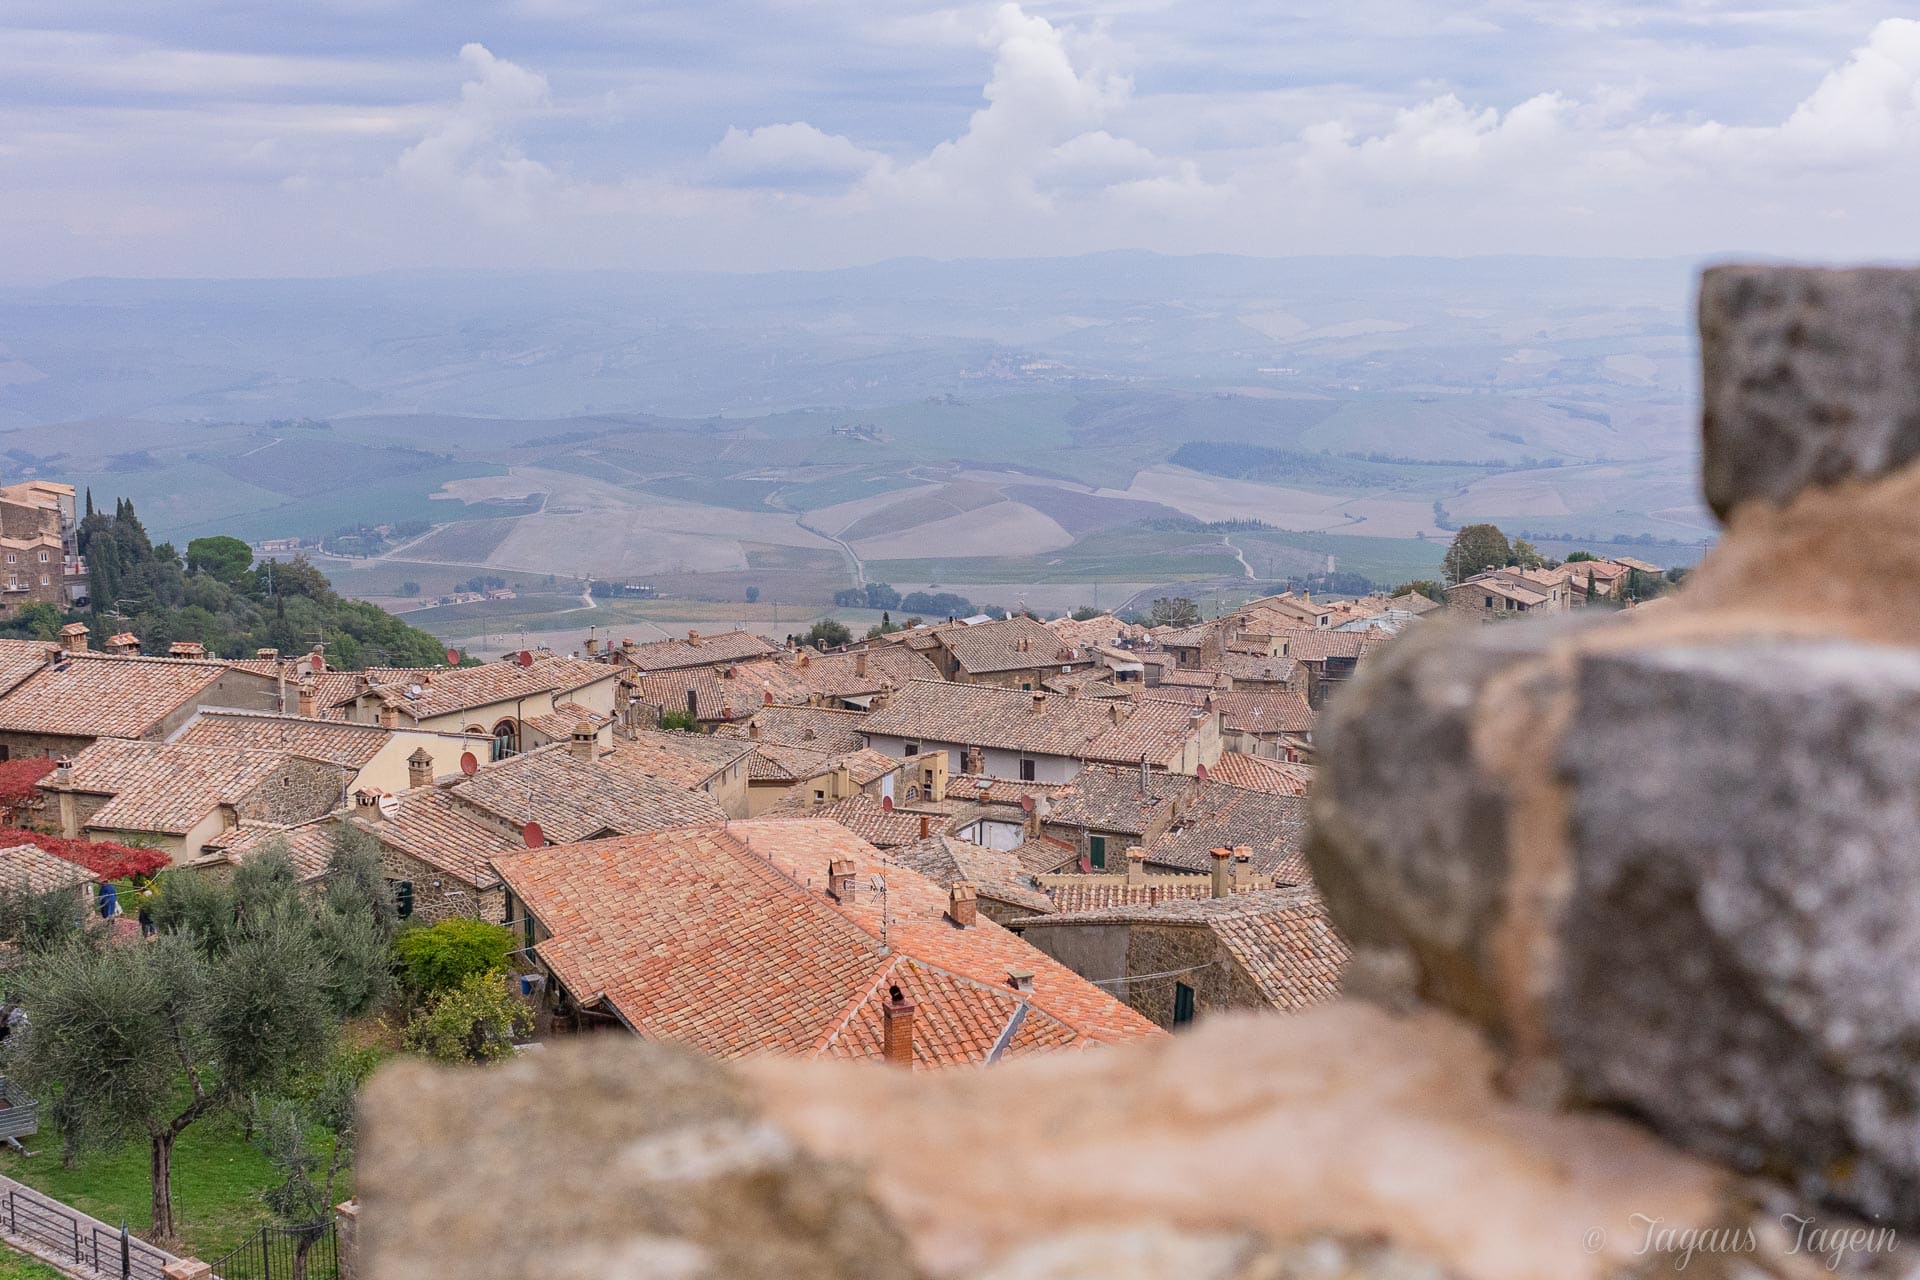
593 647
896 1039
73 637
585 746
841 880
962 904
389 716
1020 979
926 825
1222 861
860 664
1136 865
693 637
753 730
419 768
309 701
1039 701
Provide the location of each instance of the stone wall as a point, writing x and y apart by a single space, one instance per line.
1636 917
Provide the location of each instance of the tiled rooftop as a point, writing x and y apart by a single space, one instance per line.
101 696
815 728
1257 773
28 869
1092 729
573 799
1216 815
308 845
684 759
724 937
947 860
1281 938
731 692
1116 800
166 787
338 741
457 689
697 651
1012 644
431 825
20 659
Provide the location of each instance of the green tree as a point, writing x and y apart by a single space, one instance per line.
38 619
1581 557
827 634
753 594
220 557
678 720
1473 550
409 588
1173 611
474 1022
285 1131
115 1032
1526 555
444 955
1085 613
37 923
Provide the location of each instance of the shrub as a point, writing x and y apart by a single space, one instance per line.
473 1022
446 955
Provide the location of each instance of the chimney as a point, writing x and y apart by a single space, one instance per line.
962 904
926 825
693 637
1244 877
896 1038
860 664
1119 711
841 881
63 771
367 803
1039 701
882 699
593 647
585 746
842 782
419 768
1136 865
622 697
1222 883
976 761
753 729
267 655
309 701
389 716
626 645
73 637
1020 979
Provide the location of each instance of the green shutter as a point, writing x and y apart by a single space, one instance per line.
1097 852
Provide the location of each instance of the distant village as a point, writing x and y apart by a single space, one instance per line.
987 837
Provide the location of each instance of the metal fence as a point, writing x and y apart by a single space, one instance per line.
284 1253
93 1245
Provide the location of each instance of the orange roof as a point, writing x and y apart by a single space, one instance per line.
1257 773
723 936
1091 729
697 651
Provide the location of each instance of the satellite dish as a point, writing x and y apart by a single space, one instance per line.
533 835
1200 772
526 658
1026 803
469 763
886 804
453 657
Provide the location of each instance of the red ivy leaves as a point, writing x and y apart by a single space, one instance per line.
105 859
18 779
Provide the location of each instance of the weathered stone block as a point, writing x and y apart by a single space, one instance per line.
1739 957
1810 377
1409 843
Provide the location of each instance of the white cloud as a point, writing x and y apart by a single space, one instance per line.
789 154
471 151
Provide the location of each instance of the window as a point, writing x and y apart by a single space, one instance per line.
1097 852
1028 686
1026 771
44 580
1182 1004
506 740
12 558
1489 602
912 748
43 557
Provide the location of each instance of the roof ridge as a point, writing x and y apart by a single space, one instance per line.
846 1016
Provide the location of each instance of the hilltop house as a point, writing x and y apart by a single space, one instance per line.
518 705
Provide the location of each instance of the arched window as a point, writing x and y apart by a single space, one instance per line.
506 739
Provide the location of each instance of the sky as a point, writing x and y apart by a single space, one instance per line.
226 138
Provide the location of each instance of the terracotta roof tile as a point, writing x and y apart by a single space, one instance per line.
684 759
166 787
103 696
455 689
947 860
1257 773
1091 729
573 799
21 658
732 692
28 869
675 655
1012 644
338 741
309 845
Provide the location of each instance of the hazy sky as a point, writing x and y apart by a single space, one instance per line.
208 137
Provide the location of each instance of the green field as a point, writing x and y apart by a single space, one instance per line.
18 1266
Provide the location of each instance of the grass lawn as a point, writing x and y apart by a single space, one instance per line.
217 1180
18 1266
